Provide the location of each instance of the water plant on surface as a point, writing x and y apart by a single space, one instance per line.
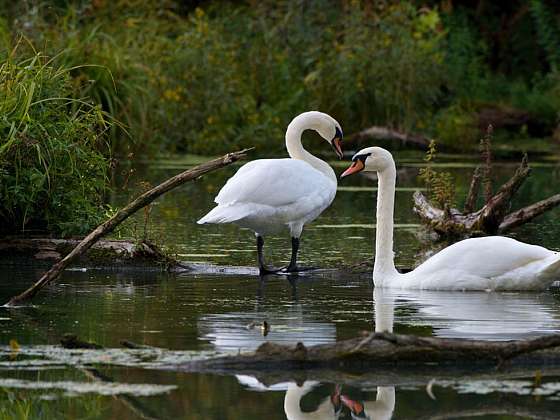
53 156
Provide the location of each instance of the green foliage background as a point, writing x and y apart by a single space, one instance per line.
208 77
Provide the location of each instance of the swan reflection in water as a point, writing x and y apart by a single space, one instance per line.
332 406
470 315
473 315
384 405
329 407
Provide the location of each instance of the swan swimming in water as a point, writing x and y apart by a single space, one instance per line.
489 263
269 195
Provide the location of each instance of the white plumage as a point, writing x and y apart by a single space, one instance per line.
269 195
489 263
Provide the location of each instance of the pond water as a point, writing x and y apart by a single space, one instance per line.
189 316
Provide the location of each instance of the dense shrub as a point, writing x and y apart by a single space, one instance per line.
208 77
53 159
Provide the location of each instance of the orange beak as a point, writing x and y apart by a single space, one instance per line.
337 146
356 166
354 406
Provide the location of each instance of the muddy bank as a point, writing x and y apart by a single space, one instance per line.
126 254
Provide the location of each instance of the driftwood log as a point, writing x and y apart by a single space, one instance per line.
380 349
106 253
494 217
108 226
386 133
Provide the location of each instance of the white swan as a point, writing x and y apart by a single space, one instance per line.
269 195
489 263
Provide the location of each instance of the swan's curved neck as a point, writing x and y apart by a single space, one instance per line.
296 150
384 265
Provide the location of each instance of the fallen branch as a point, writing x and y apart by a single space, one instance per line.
488 219
378 349
385 133
528 213
122 215
131 402
71 341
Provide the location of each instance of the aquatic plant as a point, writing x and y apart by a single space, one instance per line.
440 184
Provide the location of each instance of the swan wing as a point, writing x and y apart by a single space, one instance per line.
275 183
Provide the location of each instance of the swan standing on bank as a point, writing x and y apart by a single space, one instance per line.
489 263
269 195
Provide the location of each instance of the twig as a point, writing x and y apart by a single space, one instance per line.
472 196
487 157
120 216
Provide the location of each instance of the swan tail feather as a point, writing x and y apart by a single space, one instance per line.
553 269
225 214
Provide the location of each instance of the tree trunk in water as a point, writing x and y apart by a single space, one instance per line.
492 218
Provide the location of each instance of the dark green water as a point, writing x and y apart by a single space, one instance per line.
195 316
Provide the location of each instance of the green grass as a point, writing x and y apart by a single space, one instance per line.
53 152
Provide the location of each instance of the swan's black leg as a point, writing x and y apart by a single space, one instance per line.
293 260
263 269
293 267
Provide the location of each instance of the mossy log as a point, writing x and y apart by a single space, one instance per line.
108 226
494 217
383 349
105 253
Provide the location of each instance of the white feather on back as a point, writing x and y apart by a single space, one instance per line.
274 182
268 194
485 257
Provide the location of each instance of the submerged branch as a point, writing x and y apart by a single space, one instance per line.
122 215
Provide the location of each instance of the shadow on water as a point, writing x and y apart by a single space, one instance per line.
191 316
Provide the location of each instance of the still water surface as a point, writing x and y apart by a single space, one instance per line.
198 315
